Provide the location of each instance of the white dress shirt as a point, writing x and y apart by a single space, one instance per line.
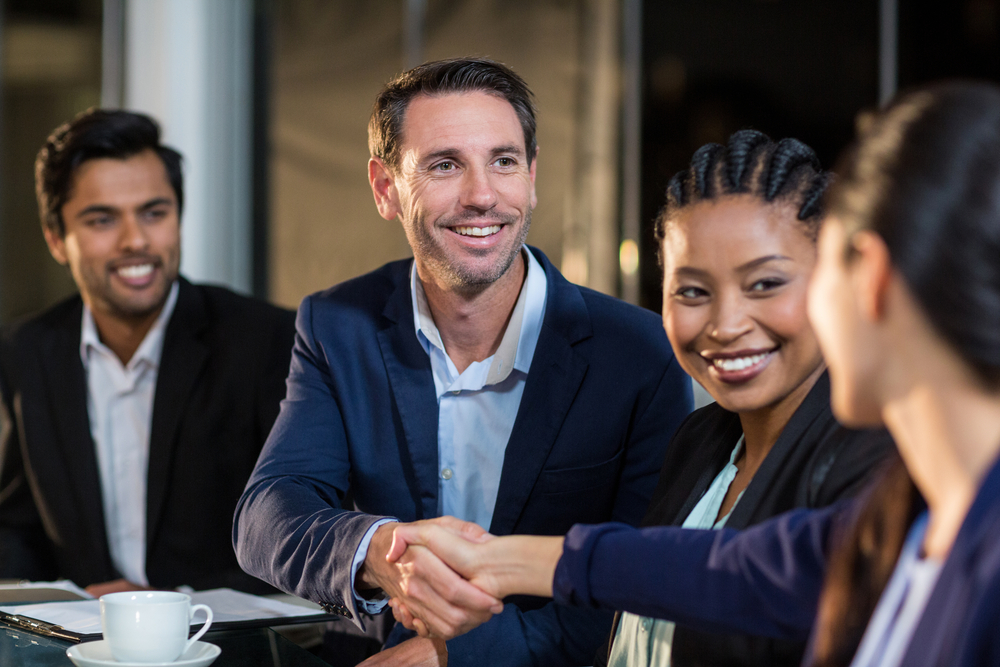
476 408
648 642
120 409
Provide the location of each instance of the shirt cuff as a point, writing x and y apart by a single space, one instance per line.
376 604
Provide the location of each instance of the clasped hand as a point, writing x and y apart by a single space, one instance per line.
453 544
446 576
428 572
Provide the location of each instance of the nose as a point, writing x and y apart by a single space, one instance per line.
477 189
133 237
730 319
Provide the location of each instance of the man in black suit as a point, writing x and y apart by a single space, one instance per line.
132 414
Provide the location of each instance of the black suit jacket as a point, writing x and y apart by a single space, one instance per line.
220 381
814 463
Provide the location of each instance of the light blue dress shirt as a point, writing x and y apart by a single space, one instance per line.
476 408
647 642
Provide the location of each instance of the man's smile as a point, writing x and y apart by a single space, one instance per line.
136 273
477 231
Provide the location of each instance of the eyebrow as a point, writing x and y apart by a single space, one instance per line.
509 148
754 263
742 268
102 208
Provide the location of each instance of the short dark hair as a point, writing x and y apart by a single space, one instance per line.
93 134
751 163
459 75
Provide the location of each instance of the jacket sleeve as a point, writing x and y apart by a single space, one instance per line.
272 355
556 634
765 580
273 372
291 528
25 551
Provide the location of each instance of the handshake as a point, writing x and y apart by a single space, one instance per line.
446 576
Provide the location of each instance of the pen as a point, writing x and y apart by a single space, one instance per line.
38 627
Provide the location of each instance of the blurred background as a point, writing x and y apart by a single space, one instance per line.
268 100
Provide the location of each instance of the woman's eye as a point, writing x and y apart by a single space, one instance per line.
690 292
766 285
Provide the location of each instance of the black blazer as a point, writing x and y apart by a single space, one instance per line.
220 381
814 463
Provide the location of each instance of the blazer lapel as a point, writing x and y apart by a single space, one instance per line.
412 384
554 378
798 428
67 384
723 439
181 363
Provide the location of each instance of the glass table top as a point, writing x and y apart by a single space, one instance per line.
261 647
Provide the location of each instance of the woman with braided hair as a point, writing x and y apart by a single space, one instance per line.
738 244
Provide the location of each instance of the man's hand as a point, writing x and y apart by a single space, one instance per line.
446 604
116 586
416 652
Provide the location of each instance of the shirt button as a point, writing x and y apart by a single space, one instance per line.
647 624
455 392
446 473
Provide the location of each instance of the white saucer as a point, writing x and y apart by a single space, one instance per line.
98 654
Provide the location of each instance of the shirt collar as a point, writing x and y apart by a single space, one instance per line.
737 450
517 347
150 349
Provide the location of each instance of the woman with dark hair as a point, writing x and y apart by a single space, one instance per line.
906 304
738 244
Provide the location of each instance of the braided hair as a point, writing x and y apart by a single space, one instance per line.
751 163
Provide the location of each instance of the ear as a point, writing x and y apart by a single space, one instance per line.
531 175
872 273
384 188
57 245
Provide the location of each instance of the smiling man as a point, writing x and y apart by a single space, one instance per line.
472 381
133 413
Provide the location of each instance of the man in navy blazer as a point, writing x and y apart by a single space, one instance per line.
472 380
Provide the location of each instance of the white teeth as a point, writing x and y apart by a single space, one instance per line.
477 231
738 363
137 271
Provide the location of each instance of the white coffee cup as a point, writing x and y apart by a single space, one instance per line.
149 626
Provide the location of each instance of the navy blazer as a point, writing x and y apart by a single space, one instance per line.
767 579
604 395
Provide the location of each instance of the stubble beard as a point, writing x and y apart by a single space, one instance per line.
457 275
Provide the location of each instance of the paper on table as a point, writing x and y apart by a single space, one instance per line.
229 605
84 616
61 584
80 616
